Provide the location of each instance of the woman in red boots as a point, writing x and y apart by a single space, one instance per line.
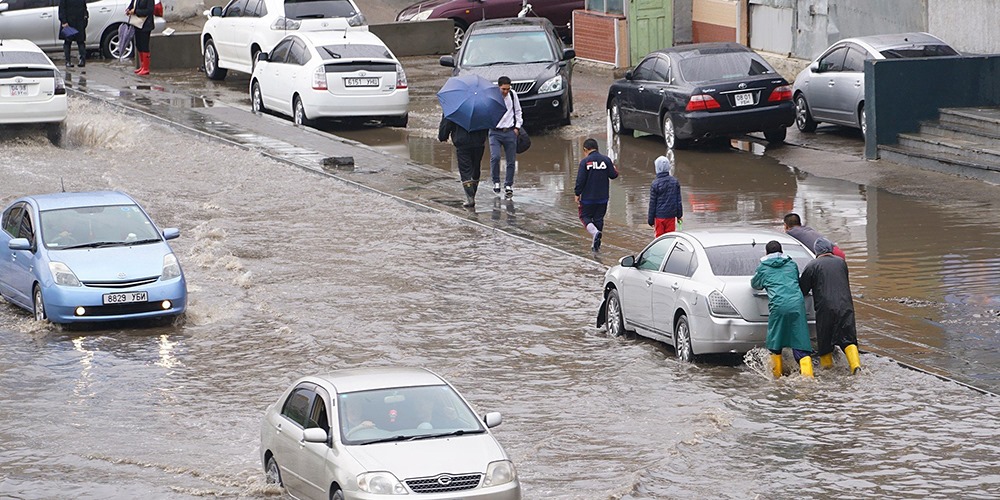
143 9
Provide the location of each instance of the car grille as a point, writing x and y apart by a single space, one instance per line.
121 284
120 309
444 483
522 87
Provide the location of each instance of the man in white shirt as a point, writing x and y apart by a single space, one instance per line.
505 135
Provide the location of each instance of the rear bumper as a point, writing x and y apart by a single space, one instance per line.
322 104
712 335
698 124
48 111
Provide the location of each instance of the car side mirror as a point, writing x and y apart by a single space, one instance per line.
314 435
19 244
629 75
568 54
492 419
215 12
171 233
627 261
448 61
262 56
814 66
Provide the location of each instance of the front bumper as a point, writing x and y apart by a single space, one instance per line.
509 491
551 107
699 124
61 302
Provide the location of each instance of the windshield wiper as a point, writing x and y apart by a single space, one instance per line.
459 432
143 242
96 244
387 439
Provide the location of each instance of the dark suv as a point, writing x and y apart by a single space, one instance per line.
466 12
529 51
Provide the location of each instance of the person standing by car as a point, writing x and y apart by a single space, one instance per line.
74 14
592 182
665 208
505 135
142 8
806 234
469 149
786 308
827 279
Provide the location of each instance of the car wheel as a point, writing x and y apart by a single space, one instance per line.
670 134
616 323
212 69
459 33
337 494
110 46
776 136
272 473
299 112
682 340
863 121
256 100
803 118
616 119
398 121
39 305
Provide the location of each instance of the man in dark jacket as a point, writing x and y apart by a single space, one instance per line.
469 149
592 182
787 326
74 14
806 234
826 277
665 207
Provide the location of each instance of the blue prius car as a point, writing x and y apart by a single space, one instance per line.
85 257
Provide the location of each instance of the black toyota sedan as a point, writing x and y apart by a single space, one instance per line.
529 51
699 91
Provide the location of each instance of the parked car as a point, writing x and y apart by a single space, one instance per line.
368 433
331 74
32 89
466 12
38 21
529 52
702 90
832 88
233 35
691 289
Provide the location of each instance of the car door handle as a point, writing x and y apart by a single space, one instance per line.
662 91
641 88
675 286
830 83
649 281
105 9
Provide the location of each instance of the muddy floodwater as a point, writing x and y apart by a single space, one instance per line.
292 273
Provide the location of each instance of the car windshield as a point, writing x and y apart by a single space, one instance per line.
742 259
354 51
404 414
935 50
92 227
318 9
518 47
722 66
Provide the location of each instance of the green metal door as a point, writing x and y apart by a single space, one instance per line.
650 27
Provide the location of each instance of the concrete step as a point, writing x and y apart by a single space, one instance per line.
964 132
985 121
940 161
978 151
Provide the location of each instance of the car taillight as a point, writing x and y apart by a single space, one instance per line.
400 77
60 84
782 93
702 102
285 24
719 305
319 79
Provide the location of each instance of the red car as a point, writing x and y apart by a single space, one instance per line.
466 12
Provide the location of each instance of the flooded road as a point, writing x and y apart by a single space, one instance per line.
292 273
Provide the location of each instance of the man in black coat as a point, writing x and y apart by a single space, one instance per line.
74 14
827 278
469 149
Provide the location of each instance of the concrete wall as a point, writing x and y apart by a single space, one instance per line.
435 36
683 22
971 26
177 51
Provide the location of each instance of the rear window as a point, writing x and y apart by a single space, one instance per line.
742 260
13 57
318 9
518 47
936 50
353 51
722 66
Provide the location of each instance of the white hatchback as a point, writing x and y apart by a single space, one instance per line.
32 89
331 74
235 34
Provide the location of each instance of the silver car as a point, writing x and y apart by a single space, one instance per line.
832 88
691 289
366 433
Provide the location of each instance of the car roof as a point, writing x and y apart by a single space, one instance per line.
53 201
721 236
893 40
340 37
363 379
512 24
699 49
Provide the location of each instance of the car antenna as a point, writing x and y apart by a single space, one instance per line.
753 242
62 184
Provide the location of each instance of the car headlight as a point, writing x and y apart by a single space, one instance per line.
719 305
171 269
420 16
284 23
382 483
63 275
554 84
357 20
501 472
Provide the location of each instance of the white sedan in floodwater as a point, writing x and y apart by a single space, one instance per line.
331 74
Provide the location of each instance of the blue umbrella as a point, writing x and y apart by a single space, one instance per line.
472 102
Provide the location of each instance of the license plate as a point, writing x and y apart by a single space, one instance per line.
361 82
744 99
18 90
125 298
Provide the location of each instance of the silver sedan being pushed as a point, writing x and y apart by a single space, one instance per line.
691 289
368 433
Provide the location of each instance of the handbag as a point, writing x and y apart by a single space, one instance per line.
523 140
136 21
68 33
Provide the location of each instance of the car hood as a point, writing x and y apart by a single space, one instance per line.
430 457
114 263
516 72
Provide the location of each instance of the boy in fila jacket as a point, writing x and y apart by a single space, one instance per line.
592 182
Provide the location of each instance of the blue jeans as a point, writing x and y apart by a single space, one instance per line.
507 139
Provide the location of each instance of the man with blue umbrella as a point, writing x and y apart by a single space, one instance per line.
470 105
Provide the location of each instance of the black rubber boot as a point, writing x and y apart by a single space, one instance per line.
470 193
82 49
66 52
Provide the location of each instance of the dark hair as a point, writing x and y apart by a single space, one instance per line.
590 144
503 80
792 220
773 247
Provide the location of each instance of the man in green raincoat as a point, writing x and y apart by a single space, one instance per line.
786 307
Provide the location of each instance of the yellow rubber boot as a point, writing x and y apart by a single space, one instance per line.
853 359
776 365
826 360
806 366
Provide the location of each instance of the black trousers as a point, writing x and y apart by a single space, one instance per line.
593 213
834 328
142 40
470 163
